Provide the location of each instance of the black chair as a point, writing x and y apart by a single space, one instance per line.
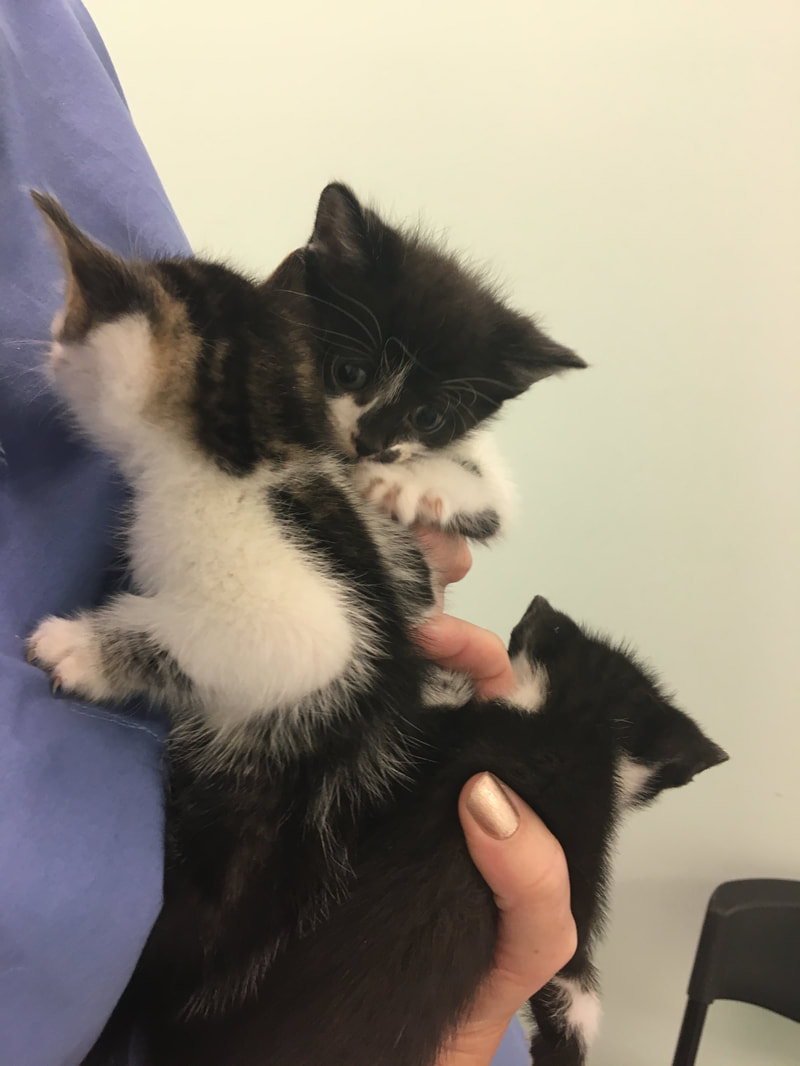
749 950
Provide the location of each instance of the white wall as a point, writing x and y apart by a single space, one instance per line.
632 169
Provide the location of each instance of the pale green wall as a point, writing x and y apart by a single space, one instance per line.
632 169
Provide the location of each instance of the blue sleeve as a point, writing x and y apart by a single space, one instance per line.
80 791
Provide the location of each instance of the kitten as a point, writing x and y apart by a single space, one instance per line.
588 736
271 604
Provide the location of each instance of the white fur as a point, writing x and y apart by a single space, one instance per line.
251 616
433 488
68 648
407 449
631 779
394 384
345 413
580 1009
530 691
231 590
59 318
256 622
107 381
447 688
254 618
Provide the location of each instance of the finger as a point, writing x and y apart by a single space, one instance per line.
524 865
469 649
448 553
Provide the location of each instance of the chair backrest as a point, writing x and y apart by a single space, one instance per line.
749 947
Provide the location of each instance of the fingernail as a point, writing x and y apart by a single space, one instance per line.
490 806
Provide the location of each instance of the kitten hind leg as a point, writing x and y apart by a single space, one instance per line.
567 1013
104 655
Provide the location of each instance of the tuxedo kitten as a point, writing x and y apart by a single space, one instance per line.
271 604
391 972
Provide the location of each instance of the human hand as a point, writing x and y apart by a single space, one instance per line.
453 642
524 865
519 858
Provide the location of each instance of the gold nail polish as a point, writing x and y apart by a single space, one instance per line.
490 806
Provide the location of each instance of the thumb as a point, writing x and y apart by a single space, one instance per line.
524 865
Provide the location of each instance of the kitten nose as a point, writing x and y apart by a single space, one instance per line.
371 434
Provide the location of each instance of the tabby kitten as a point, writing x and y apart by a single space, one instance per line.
391 972
271 604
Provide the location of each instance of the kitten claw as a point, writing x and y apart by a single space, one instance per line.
55 687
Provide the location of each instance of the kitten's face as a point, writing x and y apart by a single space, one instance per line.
413 350
367 341
658 745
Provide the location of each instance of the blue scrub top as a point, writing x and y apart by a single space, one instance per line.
80 789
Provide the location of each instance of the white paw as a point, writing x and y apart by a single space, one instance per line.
67 649
403 494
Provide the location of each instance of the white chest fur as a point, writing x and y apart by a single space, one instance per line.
256 621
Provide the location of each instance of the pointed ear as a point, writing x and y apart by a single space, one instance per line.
680 750
287 277
530 355
690 759
340 228
75 246
100 285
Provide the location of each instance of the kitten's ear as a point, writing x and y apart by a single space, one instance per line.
287 277
529 355
677 750
99 283
340 228
75 246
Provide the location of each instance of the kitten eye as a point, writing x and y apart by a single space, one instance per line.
348 374
427 418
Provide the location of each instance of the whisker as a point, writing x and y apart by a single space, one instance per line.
10 373
457 390
336 307
467 384
356 351
19 342
363 307
384 366
321 330
457 410
489 381
411 356
461 406
340 347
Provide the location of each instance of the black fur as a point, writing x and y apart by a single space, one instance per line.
248 406
263 843
480 526
396 964
327 830
392 302
320 513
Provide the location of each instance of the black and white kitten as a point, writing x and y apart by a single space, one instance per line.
391 971
271 603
